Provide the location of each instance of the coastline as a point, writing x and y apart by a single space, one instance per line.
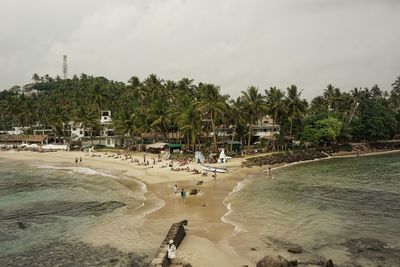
208 232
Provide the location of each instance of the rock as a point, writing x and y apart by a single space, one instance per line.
184 222
253 249
194 191
295 249
329 263
273 261
293 263
21 225
199 183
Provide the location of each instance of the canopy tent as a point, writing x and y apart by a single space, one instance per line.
156 147
173 147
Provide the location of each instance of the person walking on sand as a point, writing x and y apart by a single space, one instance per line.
176 189
215 175
80 161
76 161
171 250
183 194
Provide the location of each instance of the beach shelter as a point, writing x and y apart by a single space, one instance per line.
173 147
156 147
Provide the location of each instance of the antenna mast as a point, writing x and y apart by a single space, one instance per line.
65 67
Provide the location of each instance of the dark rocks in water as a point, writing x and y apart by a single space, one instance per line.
65 253
295 249
12 221
329 263
373 250
21 225
273 261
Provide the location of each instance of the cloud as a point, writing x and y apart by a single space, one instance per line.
234 44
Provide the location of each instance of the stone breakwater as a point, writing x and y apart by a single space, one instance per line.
285 157
176 233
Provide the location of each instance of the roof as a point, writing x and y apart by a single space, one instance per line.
21 138
157 145
174 145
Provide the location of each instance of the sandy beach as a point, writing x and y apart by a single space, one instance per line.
207 234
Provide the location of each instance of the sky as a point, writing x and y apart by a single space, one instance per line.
230 43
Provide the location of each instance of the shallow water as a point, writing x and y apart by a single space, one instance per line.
331 208
42 205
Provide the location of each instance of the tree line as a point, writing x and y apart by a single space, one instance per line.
192 111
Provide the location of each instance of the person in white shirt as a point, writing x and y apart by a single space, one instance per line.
171 249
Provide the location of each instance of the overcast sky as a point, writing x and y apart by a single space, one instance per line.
231 43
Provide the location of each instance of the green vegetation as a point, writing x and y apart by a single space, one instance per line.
171 109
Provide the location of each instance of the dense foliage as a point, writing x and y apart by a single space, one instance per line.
171 108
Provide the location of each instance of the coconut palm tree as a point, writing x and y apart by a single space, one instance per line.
189 122
276 105
255 106
295 107
211 103
125 123
236 113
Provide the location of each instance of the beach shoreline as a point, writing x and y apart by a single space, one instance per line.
208 231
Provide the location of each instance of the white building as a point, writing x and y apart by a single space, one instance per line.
264 128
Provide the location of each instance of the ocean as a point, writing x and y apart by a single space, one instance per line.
345 209
46 211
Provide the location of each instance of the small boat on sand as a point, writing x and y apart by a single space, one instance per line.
213 169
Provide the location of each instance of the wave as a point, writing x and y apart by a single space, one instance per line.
82 170
240 185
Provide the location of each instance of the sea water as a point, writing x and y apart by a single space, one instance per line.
347 209
43 206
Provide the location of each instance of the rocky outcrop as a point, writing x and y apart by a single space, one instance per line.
176 233
285 157
275 261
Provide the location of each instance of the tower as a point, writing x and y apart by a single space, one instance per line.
65 67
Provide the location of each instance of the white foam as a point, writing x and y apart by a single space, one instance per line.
82 170
240 185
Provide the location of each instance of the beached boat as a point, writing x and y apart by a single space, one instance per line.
214 169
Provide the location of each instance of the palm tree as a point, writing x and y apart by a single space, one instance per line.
255 106
211 104
236 114
98 96
294 105
125 123
276 105
189 122
159 116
